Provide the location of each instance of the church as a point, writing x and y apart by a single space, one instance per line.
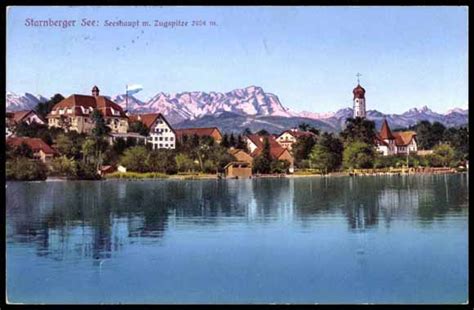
386 141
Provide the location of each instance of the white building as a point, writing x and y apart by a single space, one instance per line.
388 143
162 135
287 138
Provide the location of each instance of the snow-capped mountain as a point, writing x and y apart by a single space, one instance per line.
26 101
251 106
178 107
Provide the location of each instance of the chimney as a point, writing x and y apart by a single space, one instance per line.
95 91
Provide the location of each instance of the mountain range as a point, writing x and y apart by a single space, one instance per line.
249 107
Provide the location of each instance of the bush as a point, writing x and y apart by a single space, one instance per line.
87 171
358 155
25 169
135 158
64 166
184 163
209 166
162 160
280 166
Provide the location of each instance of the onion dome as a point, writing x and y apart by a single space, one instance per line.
359 92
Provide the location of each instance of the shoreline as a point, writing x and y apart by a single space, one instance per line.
265 176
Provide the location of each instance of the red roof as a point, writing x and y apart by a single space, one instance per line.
36 144
17 117
75 102
208 131
385 132
359 92
275 148
404 137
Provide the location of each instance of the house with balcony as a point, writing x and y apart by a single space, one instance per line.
162 135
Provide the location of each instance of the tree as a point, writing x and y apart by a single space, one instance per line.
321 158
445 153
162 160
302 147
335 147
64 166
263 132
184 163
303 126
280 166
225 140
88 150
358 155
25 169
232 141
65 145
135 158
43 108
247 132
428 135
241 144
458 138
307 127
99 132
139 128
358 129
22 150
263 162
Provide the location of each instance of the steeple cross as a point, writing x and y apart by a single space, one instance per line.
358 76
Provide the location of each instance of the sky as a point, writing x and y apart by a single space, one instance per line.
307 56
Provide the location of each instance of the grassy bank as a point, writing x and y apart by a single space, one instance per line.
136 175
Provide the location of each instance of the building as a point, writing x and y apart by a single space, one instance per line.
74 113
359 100
41 150
388 143
12 119
241 155
162 135
255 146
238 169
213 132
27 116
288 137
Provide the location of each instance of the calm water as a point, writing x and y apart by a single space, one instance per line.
308 240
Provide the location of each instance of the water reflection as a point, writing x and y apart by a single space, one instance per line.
67 220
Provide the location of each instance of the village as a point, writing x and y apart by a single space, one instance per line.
92 137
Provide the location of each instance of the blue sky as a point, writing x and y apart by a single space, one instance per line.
307 56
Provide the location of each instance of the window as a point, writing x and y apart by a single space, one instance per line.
166 145
171 138
161 145
166 138
161 138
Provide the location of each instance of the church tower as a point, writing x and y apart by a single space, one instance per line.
359 99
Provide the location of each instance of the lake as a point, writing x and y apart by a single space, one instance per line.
378 239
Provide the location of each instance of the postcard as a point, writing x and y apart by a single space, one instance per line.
236 155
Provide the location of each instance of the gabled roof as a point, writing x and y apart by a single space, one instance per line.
298 133
275 148
385 132
404 137
206 131
18 116
79 102
36 144
379 140
149 119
